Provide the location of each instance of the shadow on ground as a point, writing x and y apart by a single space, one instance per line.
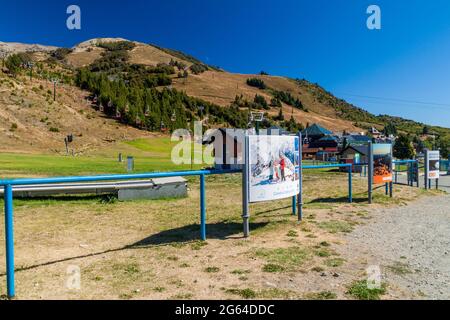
220 230
182 235
337 200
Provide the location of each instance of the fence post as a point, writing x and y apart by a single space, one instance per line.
294 205
396 175
417 173
245 189
425 176
202 208
350 196
370 173
9 234
300 179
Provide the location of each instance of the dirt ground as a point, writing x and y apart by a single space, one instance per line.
410 245
150 249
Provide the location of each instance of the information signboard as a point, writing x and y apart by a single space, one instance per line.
273 168
382 163
433 164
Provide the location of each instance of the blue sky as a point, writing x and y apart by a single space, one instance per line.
402 69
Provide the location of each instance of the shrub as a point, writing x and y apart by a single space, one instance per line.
275 103
198 68
175 63
117 46
287 98
361 291
60 53
257 83
261 101
15 62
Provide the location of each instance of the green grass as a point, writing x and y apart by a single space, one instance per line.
317 269
212 269
292 234
286 258
323 295
334 262
271 293
149 155
240 271
271 267
323 253
197 245
359 290
244 293
335 226
399 268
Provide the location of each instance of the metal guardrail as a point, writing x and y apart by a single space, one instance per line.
349 167
8 200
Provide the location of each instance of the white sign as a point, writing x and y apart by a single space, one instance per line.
273 167
433 164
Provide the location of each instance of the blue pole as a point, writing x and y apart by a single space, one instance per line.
350 197
294 205
300 178
9 240
417 173
202 208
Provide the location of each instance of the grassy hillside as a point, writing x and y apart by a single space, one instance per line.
143 86
30 121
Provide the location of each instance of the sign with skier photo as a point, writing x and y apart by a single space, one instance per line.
273 167
433 164
382 163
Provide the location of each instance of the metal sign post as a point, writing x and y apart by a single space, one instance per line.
417 173
391 184
370 172
300 178
425 176
245 188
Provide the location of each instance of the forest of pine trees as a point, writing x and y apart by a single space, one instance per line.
147 107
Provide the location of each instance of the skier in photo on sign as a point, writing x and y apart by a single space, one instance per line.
282 167
271 169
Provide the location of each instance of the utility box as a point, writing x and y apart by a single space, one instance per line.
171 187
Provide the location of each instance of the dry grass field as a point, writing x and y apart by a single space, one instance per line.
150 249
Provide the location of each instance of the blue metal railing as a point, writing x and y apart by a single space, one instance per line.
412 171
349 167
8 199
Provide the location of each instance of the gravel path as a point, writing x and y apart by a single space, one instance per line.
411 244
